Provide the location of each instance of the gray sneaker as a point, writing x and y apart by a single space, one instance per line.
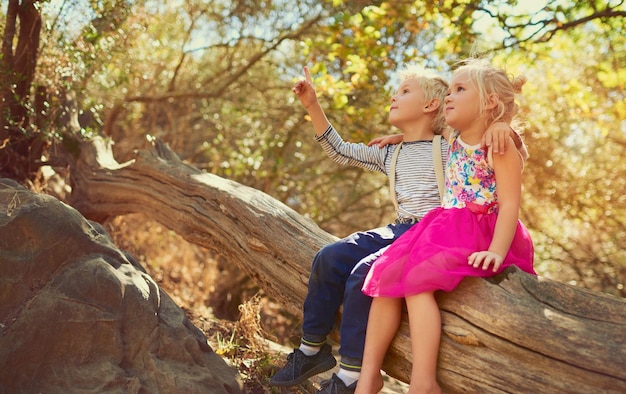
334 385
300 367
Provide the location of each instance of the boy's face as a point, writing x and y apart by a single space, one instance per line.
461 106
407 104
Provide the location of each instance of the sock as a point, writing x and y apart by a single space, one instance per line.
309 350
348 377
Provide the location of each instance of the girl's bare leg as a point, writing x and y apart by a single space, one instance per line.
425 328
382 325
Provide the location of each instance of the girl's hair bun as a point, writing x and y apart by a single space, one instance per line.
518 82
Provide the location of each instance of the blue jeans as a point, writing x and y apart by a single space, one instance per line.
337 275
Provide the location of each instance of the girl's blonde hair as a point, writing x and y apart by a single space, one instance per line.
491 80
433 86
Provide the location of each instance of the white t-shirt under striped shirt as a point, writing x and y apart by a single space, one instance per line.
416 182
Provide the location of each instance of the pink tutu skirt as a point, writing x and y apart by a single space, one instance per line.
433 254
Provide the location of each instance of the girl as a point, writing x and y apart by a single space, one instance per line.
475 233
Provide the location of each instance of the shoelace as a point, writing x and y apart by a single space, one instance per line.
290 360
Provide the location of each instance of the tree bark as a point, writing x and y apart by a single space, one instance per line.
513 333
20 147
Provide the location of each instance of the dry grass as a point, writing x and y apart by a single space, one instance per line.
238 320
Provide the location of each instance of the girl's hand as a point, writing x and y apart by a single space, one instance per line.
305 91
486 258
386 140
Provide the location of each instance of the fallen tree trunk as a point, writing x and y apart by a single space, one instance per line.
514 333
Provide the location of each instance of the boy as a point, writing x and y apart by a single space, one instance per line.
336 275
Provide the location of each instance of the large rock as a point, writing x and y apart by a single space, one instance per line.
79 315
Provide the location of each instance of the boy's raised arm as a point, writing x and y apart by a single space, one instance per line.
308 98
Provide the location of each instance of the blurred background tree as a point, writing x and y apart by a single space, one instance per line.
213 79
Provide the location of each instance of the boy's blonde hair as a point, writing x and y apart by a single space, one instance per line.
489 80
433 86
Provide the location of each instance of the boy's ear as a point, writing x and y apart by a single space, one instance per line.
433 105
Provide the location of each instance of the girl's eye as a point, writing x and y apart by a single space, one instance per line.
405 91
460 89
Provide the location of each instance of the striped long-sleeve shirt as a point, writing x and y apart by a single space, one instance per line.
415 183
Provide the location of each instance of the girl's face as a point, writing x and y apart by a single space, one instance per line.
407 104
462 106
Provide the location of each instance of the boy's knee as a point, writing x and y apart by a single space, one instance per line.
329 253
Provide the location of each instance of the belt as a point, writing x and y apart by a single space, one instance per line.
407 220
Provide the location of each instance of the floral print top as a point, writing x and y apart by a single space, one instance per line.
470 179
